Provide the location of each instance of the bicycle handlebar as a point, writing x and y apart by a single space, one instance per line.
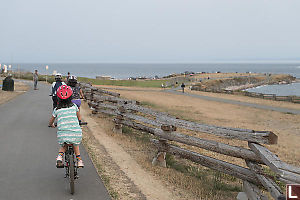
80 124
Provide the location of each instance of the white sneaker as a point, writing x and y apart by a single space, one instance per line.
80 164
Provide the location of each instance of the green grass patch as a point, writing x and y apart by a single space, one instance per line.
129 83
137 135
289 113
219 185
213 180
273 175
148 104
126 130
29 76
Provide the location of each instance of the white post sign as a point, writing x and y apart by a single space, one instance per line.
47 72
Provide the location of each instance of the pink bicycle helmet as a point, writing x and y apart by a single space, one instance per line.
64 92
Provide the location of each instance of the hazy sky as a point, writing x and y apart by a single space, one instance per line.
148 30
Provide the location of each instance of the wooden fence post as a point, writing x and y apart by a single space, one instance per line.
118 126
160 158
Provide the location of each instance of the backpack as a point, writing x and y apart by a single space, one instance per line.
56 86
76 92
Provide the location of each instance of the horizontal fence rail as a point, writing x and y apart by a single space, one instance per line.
164 126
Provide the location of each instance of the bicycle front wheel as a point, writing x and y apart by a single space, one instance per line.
72 174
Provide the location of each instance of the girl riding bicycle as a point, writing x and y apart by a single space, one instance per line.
69 131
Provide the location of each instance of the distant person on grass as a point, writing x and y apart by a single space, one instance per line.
55 85
35 79
182 86
69 131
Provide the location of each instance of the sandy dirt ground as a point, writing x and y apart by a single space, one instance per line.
20 88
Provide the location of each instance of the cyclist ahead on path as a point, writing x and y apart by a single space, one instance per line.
77 91
55 85
69 131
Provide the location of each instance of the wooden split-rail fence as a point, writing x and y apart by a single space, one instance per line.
130 113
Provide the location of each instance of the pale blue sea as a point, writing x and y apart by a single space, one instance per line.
126 70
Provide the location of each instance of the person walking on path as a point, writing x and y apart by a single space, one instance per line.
35 79
55 85
67 78
182 86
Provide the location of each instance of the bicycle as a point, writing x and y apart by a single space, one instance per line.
71 171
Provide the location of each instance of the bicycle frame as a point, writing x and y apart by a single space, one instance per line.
70 152
71 169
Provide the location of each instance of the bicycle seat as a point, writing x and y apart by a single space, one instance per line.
66 144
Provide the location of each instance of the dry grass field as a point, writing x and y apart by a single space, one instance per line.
183 178
285 125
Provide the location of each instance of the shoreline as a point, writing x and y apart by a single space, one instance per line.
151 69
242 83
175 80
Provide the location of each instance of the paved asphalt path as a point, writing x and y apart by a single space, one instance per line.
253 105
28 150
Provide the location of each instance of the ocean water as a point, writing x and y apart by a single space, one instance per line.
280 90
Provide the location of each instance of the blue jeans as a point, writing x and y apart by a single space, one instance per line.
35 84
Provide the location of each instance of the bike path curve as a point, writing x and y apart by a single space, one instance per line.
28 149
222 100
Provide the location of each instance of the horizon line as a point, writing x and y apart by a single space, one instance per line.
161 62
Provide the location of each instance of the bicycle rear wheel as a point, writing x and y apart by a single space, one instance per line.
72 174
